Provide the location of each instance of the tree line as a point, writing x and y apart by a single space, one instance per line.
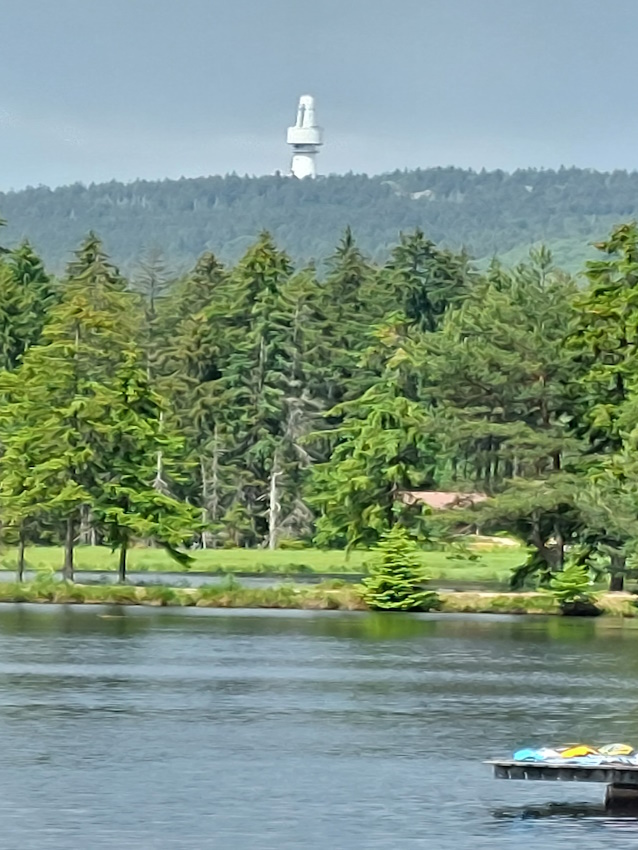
486 213
261 404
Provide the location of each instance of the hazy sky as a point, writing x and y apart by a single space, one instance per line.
97 89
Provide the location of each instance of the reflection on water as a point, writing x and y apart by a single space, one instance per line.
580 823
560 810
190 730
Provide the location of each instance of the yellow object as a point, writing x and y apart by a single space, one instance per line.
616 750
577 750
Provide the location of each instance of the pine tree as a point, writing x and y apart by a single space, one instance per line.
608 495
15 327
383 447
91 265
49 463
424 280
28 270
605 333
152 282
239 391
350 306
605 341
195 292
26 296
53 400
397 576
126 502
253 380
197 353
501 381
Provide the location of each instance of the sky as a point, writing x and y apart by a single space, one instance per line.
94 90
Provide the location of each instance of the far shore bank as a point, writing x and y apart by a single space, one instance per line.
493 566
328 596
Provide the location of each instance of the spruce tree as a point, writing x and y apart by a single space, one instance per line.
15 325
397 576
604 339
127 503
240 392
254 381
91 265
207 320
350 307
605 334
193 293
501 379
52 401
152 282
26 296
383 447
424 280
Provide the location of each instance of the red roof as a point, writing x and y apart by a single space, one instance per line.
440 500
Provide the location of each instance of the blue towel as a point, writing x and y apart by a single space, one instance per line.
528 755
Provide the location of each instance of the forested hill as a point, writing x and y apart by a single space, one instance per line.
487 213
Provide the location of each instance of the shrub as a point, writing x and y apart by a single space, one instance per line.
396 576
572 590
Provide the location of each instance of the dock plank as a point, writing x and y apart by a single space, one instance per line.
608 774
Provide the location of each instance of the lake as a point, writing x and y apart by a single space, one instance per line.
164 730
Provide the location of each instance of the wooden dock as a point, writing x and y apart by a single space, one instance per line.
621 779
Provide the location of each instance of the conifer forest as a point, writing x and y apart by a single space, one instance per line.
267 404
487 213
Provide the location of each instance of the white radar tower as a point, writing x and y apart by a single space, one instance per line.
305 139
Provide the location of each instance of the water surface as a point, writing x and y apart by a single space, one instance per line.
192 730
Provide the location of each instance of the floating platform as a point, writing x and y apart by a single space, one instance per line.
621 779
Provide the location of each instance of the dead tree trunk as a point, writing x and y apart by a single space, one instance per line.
84 532
274 508
214 496
69 543
21 548
202 467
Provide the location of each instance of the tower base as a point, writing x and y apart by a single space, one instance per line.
303 165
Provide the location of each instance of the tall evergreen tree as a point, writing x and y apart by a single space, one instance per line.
52 402
127 502
152 281
243 396
26 296
605 340
91 265
253 385
605 334
193 293
424 280
350 304
28 270
384 446
15 326
501 381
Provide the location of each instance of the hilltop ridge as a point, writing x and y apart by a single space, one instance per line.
486 213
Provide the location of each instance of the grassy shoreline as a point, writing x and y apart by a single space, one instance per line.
494 564
329 596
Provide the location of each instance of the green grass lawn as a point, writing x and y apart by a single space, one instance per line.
494 563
